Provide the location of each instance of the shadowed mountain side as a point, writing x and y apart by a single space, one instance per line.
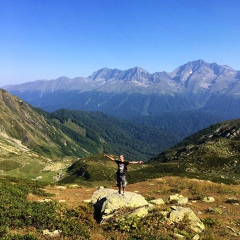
134 140
183 124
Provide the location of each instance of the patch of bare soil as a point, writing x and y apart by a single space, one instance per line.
72 197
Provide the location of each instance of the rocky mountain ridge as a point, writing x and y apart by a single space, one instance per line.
196 85
191 77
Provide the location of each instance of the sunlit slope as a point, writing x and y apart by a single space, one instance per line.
34 145
37 131
213 152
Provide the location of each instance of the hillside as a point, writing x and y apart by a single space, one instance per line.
134 140
43 135
213 152
35 143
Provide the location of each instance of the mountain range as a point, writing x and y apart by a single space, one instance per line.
195 86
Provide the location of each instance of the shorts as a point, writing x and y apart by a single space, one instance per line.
121 181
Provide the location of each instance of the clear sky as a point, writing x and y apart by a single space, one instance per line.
46 39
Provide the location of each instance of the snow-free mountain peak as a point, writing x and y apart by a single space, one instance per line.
106 74
192 86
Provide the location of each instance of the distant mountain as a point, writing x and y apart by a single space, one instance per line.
183 124
213 152
190 98
197 85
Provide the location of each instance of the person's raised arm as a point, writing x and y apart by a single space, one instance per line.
107 156
136 162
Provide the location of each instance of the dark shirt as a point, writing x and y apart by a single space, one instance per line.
122 167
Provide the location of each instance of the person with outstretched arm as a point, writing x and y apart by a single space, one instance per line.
121 172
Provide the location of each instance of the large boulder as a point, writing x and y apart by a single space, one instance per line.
107 201
178 214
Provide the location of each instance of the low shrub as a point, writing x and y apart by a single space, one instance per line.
16 213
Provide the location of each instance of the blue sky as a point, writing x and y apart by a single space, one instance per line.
46 39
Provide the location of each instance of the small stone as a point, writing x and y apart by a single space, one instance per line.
196 237
208 199
51 234
45 200
178 236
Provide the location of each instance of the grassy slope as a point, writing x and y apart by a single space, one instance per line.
213 152
36 131
32 143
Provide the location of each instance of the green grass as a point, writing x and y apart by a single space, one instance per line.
7 165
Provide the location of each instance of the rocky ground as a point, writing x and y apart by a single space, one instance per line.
216 204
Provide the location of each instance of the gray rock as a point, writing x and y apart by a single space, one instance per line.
179 213
196 237
209 199
51 234
108 201
177 198
157 201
